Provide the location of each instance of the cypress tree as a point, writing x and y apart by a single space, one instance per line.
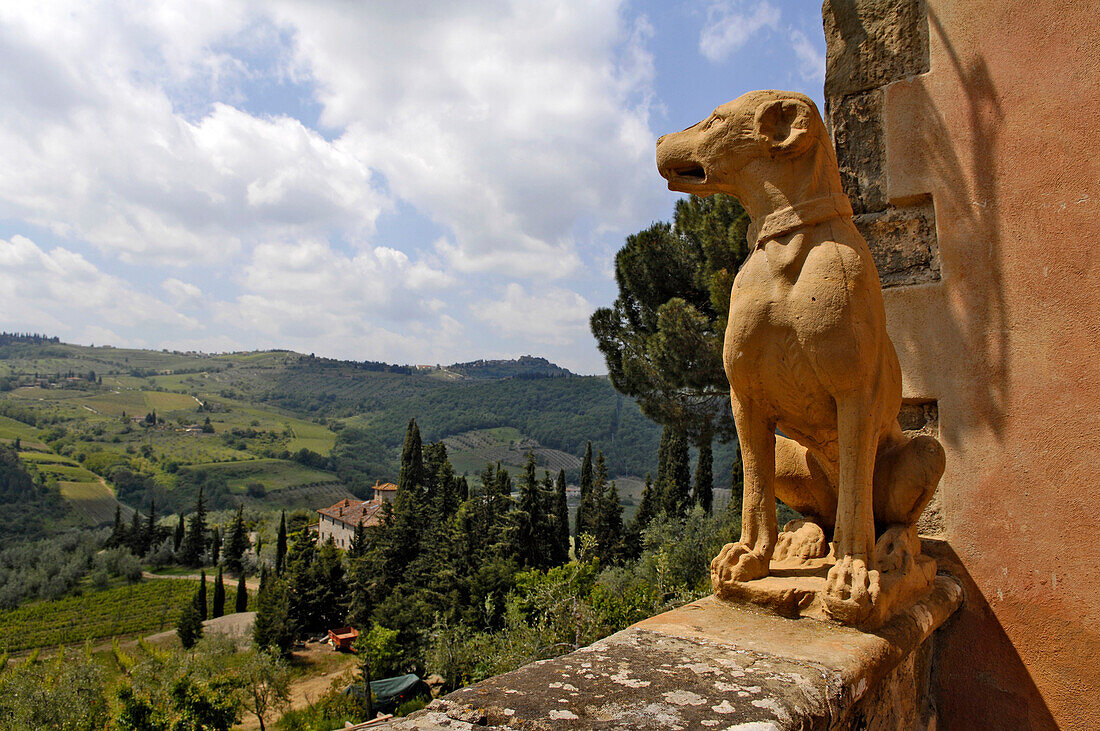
273 627
360 599
405 519
607 513
189 626
118 533
584 517
329 590
432 488
411 477
561 515
215 545
179 534
358 545
610 535
194 542
673 473
200 596
488 489
151 525
647 509
530 517
135 537
217 609
280 546
704 475
241 603
447 499
737 489
237 543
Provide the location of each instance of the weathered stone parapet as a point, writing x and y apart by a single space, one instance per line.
714 665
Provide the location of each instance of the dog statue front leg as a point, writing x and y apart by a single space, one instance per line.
748 559
852 583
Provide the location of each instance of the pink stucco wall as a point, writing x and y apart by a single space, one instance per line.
1004 133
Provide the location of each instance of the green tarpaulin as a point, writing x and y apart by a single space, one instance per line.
389 690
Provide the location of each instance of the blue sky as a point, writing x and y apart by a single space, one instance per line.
413 182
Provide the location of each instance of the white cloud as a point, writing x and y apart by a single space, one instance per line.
182 293
130 132
507 122
730 24
552 316
93 147
60 291
811 60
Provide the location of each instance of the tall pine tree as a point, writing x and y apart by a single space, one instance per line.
178 536
135 537
561 519
194 542
189 626
704 475
237 542
405 519
240 603
673 473
217 607
280 546
200 596
609 541
586 509
530 518
273 627
152 537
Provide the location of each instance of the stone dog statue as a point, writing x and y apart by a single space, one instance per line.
806 352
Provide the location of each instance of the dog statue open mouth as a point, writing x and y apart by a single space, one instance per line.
806 352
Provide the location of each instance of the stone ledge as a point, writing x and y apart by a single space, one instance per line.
713 665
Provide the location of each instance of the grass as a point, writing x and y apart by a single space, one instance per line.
274 474
92 501
10 429
470 451
55 466
149 606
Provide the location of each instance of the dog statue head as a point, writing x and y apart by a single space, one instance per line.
768 149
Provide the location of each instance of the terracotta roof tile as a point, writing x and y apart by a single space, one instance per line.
350 512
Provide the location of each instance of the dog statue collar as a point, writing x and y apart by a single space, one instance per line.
787 220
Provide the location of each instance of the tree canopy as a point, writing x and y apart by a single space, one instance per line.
662 337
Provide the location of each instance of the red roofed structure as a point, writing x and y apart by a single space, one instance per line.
339 521
385 491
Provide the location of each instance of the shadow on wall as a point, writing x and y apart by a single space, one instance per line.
979 678
986 684
973 334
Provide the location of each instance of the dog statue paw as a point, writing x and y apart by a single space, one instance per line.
801 540
736 562
851 589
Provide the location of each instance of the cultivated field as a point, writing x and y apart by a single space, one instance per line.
93 502
470 451
149 606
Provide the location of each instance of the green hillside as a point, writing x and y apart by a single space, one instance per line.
280 428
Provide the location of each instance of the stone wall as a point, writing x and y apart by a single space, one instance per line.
967 136
711 665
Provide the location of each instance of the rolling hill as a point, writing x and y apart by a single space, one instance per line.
282 428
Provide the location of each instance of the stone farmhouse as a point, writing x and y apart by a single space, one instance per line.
338 522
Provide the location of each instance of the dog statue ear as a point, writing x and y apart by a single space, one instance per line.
783 126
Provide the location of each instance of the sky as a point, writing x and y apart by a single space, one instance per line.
409 182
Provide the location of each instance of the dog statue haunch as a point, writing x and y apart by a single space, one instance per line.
806 352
